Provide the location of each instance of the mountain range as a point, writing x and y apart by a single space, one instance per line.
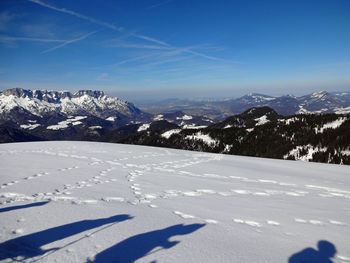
258 132
317 129
317 102
62 115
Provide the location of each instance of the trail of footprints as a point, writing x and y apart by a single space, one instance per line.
34 176
171 167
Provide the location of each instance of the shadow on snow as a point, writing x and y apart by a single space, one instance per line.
326 251
136 247
28 246
6 209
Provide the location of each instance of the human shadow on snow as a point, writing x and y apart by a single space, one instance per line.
136 247
6 209
29 246
326 251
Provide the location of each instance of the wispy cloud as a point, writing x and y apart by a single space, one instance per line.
5 19
11 39
151 39
139 46
69 42
102 77
117 28
42 30
159 4
78 15
95 21
132 59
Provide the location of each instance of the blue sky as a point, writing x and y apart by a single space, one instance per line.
152 49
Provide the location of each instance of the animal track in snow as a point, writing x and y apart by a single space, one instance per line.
211 221
241 192
111 199
183 215
343 258
335 222
191 193
247 222
40 174
273 223
316 222
68 168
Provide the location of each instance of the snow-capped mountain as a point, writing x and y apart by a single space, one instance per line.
83 102
324 102
317 102
44 112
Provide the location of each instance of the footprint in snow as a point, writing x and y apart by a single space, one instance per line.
211 221
191 193
247 222
241 192
18 231
335 222
183 215
343 258
311 221
272 223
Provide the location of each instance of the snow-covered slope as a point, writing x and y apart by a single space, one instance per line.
98 202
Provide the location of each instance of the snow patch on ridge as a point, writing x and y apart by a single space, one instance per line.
144 127
310 150
342 110
159 117
111 118
168 134
29 126
262 120
331 125
203 137
185 117
65 124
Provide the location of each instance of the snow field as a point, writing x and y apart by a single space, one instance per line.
122 197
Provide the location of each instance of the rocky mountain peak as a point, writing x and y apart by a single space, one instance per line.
92 93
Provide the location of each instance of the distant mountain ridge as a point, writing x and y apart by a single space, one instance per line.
317 102
259 132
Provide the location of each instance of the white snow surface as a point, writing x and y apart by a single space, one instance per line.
168 134
342 110
159 117
193 126
203 137
296 152
100 202
185 117
262 120
111 118
29 126
65 124
95 127
331 125
144 127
